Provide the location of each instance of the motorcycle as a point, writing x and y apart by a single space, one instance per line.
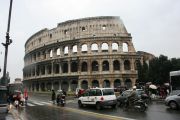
137 104
61 100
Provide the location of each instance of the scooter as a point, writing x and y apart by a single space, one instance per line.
137 104
61 100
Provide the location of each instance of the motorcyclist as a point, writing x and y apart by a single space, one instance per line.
132 96
60 96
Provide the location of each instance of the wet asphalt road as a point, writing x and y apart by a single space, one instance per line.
41 111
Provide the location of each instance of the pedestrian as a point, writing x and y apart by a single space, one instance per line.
25 96
53 96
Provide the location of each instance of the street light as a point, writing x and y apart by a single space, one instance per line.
8 42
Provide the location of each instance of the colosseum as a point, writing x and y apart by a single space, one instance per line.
81 53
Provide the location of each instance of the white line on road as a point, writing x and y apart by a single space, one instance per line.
29 104
37 103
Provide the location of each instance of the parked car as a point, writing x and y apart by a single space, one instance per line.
173 101
98 97
139 92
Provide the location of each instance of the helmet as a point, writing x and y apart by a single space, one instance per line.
134 87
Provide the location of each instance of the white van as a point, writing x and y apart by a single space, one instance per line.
98 97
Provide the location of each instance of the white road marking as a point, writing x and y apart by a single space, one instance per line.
29 104
37 103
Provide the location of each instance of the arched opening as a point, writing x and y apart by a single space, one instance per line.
37 87
58 52
74 66
56 68
66 50
65 68
95 66
64 85
127 65
105 66
74 50
114 47
94 47
49 69
56 86
116 65
51 53
74 85
106 84
117 83
84 67
137 64
42 87
104 47
84 48
84 84
125 47
128 83
48 86
95 83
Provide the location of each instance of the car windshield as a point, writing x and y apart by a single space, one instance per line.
108 92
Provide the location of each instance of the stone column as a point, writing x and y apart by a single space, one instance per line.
69 67
120 49
132 64
52 85
79 84
110 47
122 65
60 85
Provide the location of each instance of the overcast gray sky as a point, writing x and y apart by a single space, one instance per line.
153 24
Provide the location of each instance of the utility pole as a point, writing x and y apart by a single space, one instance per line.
6 44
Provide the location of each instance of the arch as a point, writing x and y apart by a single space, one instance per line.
84 67
137 63
64 85
95 66
114 47
128 83
84 84
84 48
37 86
74 50
58 52
49 69
94 47
51 54
95 83
66 50
74 85
65 67
83 29
56 86
56 68
116 65
106 84
104 27
125 47
48 86
105 66
104 47
42 87
127 65
74 66
117 83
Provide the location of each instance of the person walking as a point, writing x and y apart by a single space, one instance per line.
25 96
53 96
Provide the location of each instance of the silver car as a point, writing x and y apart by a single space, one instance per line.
173 101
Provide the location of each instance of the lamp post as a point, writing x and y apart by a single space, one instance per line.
8 42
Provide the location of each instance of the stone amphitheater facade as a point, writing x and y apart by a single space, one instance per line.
81 53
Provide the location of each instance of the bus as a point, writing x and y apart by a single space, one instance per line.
175 81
